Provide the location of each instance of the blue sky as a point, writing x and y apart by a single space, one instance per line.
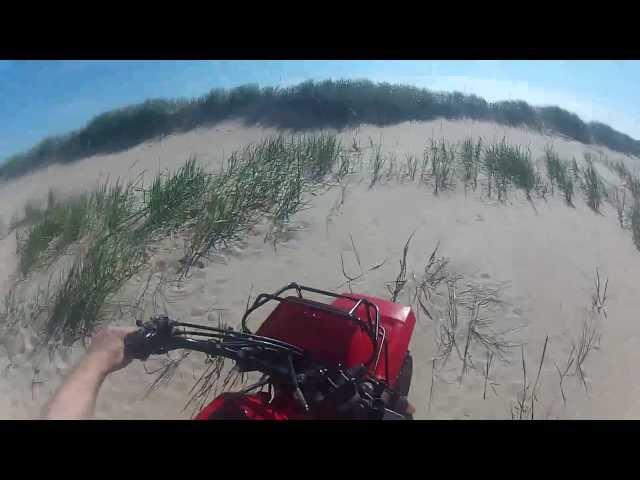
41 98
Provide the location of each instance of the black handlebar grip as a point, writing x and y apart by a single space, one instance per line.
136 345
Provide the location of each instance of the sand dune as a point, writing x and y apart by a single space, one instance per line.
541 260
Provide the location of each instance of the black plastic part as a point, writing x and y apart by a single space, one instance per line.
135 345
403 382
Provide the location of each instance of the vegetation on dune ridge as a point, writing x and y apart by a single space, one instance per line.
337 104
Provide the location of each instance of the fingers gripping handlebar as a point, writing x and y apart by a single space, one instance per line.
154 337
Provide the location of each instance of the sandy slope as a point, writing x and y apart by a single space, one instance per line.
543 260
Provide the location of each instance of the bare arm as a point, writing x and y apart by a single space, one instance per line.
76 398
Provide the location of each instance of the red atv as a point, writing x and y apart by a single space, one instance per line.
345 360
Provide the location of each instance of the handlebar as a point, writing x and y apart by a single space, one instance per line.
252 352
284 364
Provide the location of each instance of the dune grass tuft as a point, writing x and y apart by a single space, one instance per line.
559 174
33 244
634 186
319 153
376 163
173 200
442 156
619 201
91 280
619 168
59 225
411 164
588 340
470 155
506 165
592 185
575 171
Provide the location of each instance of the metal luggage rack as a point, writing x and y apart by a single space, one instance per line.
371 326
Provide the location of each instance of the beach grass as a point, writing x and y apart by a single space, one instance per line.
559 174
470 156
592 185
268 180
506 165
376 163
443 159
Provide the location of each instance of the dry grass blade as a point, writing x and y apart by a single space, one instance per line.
423 307
475 313
563 373
401 279
521 402
205 384
166 373
490 357
599 296
377 163
525 388
355 252
534 391
452 304
412 166
433 374
208 381
378 265
350 278
446 343
347 276
357 277
619 201
589 337
492 341
435 272
447 330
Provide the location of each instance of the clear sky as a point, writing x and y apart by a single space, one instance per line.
41 98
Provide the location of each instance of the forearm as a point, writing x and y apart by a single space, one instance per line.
76 398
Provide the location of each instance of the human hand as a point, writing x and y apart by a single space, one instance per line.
107 349
405 407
